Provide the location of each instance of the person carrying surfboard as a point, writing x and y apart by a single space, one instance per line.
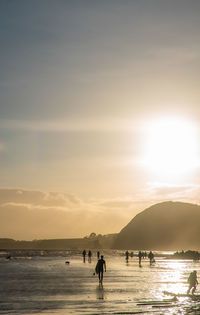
192 279
100 268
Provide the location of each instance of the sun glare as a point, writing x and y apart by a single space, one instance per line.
171 146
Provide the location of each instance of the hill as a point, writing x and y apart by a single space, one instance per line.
99 241
164 226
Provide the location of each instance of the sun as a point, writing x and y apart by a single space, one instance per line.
171 146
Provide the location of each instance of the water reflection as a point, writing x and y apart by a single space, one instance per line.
100 293
174 279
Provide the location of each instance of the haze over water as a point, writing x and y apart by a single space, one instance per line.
46 285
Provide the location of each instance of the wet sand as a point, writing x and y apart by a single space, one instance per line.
46 285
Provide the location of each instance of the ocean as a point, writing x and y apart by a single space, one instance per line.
45 284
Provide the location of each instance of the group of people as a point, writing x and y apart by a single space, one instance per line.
84 253
141 255
144 255
101 267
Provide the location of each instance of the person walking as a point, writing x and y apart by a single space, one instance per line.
151 258
140 258
192 279
100 268
89 256
127 256
84 254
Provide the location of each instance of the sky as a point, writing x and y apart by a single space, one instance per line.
99 112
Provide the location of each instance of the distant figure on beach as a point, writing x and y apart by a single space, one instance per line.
143 255
89 256
151 258
192 279
98 255
140 258
84 254
100 268
127 255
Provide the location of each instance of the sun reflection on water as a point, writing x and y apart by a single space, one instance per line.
174 279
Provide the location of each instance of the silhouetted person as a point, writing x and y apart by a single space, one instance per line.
100 268
98 255
127 255
192 279
89 256
143 255
140 257
84 254
151 258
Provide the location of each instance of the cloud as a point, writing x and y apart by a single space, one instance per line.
29 214
35 198
165 191
90 124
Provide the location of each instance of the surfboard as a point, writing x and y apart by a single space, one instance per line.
97 267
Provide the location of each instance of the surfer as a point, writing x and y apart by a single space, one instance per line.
192 279
100 268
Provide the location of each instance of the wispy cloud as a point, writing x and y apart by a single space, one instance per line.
29 214
179 192
92 124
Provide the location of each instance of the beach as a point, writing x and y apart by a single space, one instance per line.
45 284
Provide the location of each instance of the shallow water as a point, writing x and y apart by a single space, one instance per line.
48 285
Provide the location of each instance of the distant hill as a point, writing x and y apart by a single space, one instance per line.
163 226
100 241
50 244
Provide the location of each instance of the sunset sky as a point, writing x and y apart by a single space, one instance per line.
99 112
